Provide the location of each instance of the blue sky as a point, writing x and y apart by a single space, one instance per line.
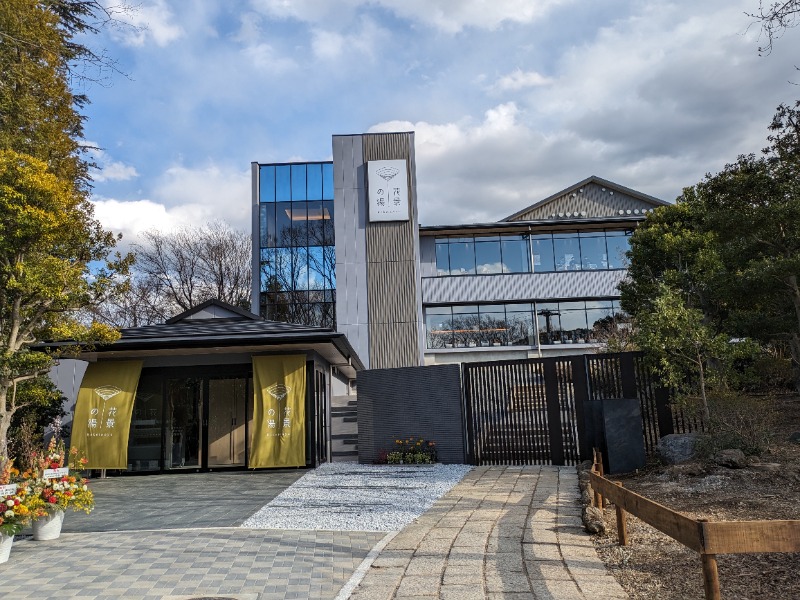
511 101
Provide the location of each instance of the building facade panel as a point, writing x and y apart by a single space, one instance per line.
393 268
351 266
591 200
521 287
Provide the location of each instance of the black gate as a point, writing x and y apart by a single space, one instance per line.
526 411
547 410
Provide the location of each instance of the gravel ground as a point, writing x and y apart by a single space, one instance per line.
354 497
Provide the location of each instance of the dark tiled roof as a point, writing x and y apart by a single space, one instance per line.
215 328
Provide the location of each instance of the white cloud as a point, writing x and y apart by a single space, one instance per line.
132 217
182 196
265 58
450 16
519 79
329 45
151 21
107 168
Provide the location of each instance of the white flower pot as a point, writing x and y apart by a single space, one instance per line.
49 527
5 546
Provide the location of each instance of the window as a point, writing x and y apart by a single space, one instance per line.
487 255
618 245
538 253
543 253
516 254
462 256
298 279
567 251
593 251
442 258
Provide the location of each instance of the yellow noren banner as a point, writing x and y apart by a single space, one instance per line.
102 419
279 413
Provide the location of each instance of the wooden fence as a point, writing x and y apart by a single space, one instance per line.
708 538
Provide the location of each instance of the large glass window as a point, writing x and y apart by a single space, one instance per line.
519 320
283 183
593 251
462 256
618 245
543 254
327 181
267 184
519 323
314 181
538 253
567 248
439 327
298 279
299 182
516 254
442 257
487 255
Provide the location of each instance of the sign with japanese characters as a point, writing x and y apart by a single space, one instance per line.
8 490
55 473
279 419
387 186
102 420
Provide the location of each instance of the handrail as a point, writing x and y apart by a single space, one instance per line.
708 538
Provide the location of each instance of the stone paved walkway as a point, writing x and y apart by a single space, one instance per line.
503 532
153 565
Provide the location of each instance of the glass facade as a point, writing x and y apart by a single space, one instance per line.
536 253
298 260
518 324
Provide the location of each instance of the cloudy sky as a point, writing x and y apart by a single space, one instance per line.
511 100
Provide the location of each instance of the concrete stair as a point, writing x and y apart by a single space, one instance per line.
344 428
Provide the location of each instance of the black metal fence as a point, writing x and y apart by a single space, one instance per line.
547 410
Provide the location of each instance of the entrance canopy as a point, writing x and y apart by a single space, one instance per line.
213 387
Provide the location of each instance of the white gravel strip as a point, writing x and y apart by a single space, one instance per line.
354 497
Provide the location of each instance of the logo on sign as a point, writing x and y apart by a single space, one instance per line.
279 391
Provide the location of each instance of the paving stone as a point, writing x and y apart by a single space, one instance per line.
461 592
419 585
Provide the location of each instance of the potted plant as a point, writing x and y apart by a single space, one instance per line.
54 488
14 512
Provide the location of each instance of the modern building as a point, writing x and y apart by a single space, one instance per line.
339 243
215 387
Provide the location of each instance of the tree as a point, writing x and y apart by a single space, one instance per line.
688 355
775 18
174 271
730 247
48 238
754 208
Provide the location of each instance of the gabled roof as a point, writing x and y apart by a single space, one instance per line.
655 202
214 309
217 327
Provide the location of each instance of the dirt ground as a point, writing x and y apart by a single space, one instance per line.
654 566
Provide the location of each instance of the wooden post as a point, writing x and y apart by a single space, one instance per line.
710 573
599 462
622 523
711 577
598 468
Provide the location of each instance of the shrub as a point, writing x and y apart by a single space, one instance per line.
739 421
412 451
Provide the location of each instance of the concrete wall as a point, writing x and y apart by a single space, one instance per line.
420 401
